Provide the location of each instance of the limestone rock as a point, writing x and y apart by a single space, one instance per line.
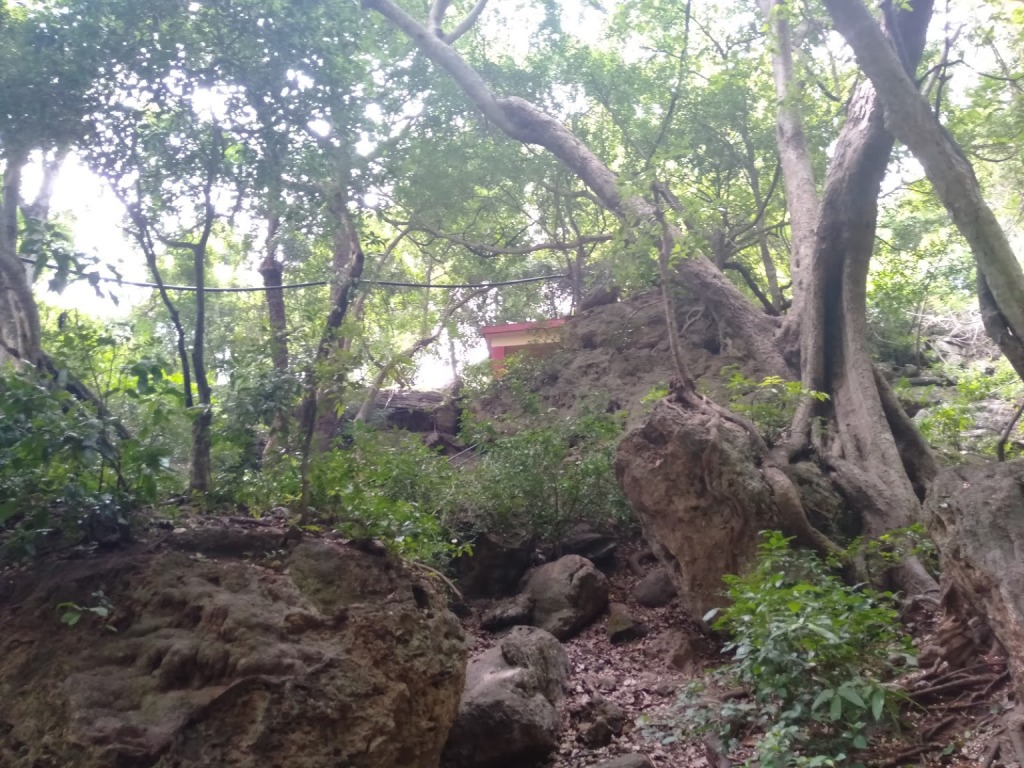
599 548
656 589
568 594
622 627
510 612
695 485
975 515
325 658
509 710
601 720
676 648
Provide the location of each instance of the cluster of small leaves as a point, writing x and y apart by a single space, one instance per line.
57 455
547 477
814 654
769 403
71 613
388 485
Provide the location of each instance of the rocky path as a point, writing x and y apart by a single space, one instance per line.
623 697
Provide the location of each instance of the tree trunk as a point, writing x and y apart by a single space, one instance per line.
909 116
797 170
859 446
20 335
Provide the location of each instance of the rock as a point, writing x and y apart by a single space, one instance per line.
495 567
622 627
633 760
700 497
676 648
328 660
975 515
509 709
600 721
656 589
598 548
568 594
508 613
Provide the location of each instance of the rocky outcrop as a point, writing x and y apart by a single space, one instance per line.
317 656
694 483
622 627
976 517
509 711
567 595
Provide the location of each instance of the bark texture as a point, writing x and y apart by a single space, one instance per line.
19 317
976 517
909 116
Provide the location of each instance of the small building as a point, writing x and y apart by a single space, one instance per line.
534 338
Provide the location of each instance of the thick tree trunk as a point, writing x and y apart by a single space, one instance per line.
876 457
797 170
20 336
909 116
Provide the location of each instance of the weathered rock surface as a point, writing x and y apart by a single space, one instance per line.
322 656
509 612
495 568
693 481
600 720
976 516
656 589
567 595
509 710
622 626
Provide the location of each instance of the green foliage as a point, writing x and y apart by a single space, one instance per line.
814 654
56 454
391 486
543 479
769 403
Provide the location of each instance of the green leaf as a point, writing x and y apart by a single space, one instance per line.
877 703
851 694
835 710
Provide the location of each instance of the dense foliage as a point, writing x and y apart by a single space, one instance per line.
815 655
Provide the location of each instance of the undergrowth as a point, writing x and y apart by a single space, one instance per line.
814 655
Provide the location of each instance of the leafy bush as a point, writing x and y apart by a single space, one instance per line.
391 486
814 654
543 479
57 454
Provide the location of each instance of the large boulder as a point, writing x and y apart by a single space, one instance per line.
567 595
509 711
976 517
317 656
693 481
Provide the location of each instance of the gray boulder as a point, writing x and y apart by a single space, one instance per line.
508 715
567 595
506 613
656 589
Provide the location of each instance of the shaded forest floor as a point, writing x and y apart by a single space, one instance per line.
952 717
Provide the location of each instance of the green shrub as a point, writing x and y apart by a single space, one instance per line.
56 454
390 486
545 478
814 654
